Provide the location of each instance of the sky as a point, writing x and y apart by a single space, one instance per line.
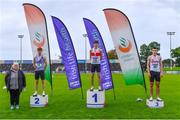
150 20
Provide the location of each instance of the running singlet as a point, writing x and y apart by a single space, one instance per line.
95 56
155 63
39 61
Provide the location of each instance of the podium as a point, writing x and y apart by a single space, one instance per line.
38 101
155 104
95 99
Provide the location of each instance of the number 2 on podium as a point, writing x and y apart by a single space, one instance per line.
95 97
36 100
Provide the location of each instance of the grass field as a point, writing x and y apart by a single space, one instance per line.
173 69
68 103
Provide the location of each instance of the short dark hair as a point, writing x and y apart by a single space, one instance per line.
96 42
39 49
154 47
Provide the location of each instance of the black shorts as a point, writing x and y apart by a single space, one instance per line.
95 67
39 74
154 76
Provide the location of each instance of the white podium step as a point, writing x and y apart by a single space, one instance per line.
154 103
95 99
39 101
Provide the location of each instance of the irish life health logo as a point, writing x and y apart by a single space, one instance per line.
38 40
124 45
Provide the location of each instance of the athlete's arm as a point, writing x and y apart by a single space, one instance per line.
90 54
148 64
34 63
45 63
161 68
101 54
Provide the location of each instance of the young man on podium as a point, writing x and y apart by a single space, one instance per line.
39 64
95 57
155 72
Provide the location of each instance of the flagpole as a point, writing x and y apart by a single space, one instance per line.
114 93
20 36
85 65
82 94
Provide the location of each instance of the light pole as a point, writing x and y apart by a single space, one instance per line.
85 37
20 36
170 34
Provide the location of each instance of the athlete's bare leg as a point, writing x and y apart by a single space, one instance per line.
151 89
43 85
36 85
157 88
92 79
99 79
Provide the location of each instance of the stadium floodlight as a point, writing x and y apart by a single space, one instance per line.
170 34
20 36
85 37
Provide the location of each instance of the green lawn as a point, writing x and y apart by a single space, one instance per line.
173 69
68 103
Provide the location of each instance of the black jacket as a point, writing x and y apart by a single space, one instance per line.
21 80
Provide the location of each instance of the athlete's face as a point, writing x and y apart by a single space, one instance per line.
96 45
39 52
154 51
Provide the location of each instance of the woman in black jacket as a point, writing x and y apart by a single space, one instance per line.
15 82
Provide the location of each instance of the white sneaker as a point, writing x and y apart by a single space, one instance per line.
92 88
99 88
151 99
158 99
17 106
43 94
35 93
12 107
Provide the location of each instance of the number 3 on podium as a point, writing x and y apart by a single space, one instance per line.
95 97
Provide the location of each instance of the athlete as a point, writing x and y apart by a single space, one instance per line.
155 72
95 57
39 63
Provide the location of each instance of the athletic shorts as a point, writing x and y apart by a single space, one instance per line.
154 76
39 74
95 67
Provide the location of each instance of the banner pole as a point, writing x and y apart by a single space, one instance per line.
82 93
114 94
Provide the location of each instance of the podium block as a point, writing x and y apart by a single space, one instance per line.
154 103
95 99
39 101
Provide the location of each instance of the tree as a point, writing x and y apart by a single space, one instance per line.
175 53
145 51
166 62
154 44
112 54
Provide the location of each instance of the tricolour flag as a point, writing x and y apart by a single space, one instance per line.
125 45
68 54
94 34
37 26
